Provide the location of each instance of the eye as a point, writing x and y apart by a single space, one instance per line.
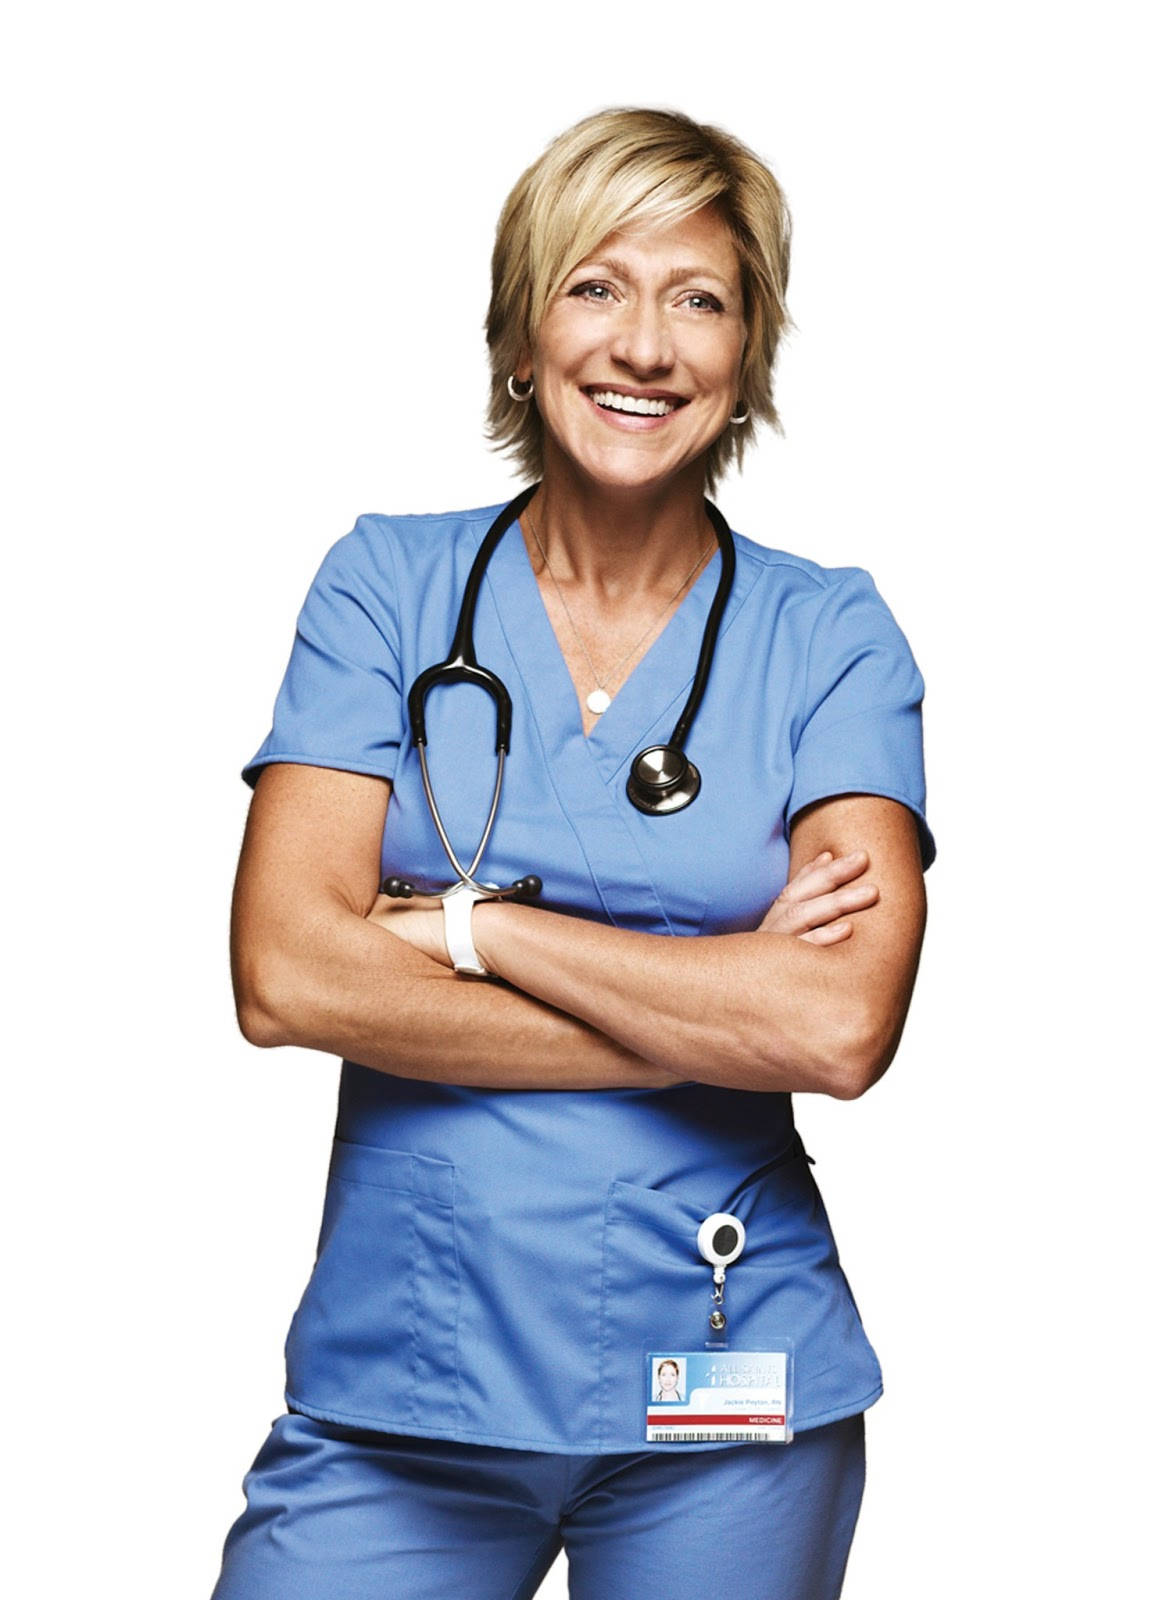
703 302
591 291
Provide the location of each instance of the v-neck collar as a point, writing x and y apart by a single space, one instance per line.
659 681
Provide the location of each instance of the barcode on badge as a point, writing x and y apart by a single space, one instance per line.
701 1436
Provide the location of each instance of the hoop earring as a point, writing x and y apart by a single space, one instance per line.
515 393
736 420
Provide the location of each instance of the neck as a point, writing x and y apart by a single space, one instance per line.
620 541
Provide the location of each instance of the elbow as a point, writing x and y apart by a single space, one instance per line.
861 1052
851 1081
259 1026
262 1008
840 1056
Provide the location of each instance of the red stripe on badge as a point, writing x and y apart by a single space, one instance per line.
728 1419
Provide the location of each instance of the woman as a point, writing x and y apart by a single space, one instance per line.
668 1381
521 1167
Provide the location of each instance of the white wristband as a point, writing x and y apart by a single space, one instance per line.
457 911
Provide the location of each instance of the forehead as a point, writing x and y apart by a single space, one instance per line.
700 241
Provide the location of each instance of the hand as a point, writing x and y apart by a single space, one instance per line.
419 923
817 901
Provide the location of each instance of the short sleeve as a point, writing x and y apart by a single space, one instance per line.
861 727
340 703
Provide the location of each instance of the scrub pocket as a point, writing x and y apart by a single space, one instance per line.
788 1285
375 1336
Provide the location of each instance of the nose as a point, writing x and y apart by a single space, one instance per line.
643 339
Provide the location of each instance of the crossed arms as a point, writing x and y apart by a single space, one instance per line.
813 1000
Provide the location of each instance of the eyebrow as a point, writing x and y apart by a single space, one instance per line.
621 269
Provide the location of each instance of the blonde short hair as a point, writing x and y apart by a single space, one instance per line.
612 171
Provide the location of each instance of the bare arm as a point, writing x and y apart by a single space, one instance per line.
761 1011
753 1010
309 969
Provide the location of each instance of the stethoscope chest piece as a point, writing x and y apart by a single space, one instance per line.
662 779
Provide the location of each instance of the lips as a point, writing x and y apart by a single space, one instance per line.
635 405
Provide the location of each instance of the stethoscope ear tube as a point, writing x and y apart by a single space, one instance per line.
465 874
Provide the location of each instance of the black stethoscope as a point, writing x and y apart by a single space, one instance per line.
662 778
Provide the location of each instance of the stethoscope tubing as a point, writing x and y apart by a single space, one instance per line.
462 665
661 778
712 627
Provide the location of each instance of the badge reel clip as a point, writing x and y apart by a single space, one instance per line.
720 1240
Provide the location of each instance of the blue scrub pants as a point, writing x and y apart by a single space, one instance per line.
336 1513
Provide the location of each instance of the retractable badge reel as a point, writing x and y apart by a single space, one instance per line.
720 1240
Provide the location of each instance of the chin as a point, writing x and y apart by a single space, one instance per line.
635 471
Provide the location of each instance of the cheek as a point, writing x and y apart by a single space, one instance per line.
725 356
718 372
564 344
733 367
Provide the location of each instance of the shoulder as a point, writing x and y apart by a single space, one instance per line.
421 536
800 575
385 556
385 565
801 588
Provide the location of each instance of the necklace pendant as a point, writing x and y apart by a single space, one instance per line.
598 701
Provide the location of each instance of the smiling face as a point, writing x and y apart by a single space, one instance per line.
638 358
669 1375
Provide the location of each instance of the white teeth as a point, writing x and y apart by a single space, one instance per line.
628 402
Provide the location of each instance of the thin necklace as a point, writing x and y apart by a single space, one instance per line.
599 699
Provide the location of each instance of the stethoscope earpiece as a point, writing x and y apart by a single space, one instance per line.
662 779
528 888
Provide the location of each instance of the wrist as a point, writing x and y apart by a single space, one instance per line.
434 945
487 916
459 932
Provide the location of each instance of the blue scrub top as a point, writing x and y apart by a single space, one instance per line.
493 1264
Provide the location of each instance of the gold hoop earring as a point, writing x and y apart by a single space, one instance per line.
515 393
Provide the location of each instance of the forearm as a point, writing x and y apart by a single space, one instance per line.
337 983
754 1011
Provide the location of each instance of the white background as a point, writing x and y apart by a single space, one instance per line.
245 291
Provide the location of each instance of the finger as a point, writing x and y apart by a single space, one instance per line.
793 914
820 877
821 860
802 915
833 933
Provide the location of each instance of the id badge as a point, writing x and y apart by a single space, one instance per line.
708 1395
